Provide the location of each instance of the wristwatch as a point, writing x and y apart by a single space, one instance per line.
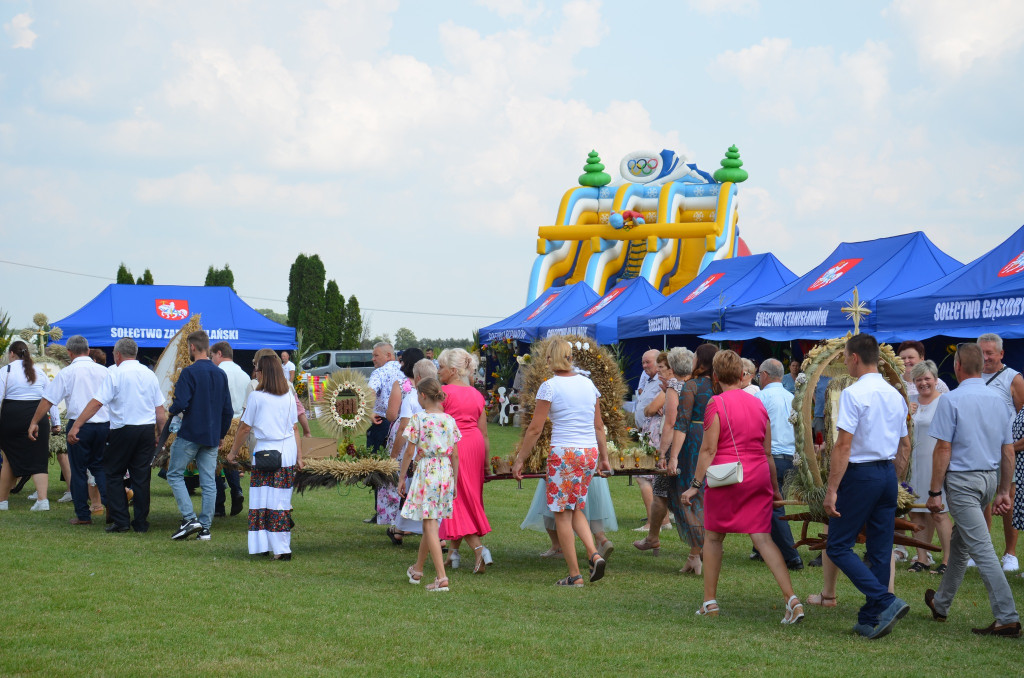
934 494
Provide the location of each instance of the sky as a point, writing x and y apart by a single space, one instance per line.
417 146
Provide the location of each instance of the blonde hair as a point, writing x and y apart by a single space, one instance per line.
424 369
728 366
431 389
748 366
460 360
560 356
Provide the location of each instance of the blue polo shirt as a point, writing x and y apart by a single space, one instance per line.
202 394
975 420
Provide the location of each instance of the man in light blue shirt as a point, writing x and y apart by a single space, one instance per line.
973 439
789 381
779 403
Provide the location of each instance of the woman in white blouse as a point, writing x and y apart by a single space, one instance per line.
270 413
577 451
21 389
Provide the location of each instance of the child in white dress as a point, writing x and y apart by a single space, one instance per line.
431 493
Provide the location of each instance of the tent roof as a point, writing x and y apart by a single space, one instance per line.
694 308
553 305
809 307
152 314
986 295
600 320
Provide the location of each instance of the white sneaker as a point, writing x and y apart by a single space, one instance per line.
33 496
1010 563
3 506
971 563
65 499
41 505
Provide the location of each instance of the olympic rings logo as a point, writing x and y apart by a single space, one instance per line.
642 167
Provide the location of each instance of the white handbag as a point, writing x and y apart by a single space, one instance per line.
729 473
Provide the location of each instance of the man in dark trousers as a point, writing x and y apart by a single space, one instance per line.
131 393
202 397
862 487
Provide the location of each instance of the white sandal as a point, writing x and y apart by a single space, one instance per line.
414 576
706 609
792 614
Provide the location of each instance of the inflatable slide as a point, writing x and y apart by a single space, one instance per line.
665 222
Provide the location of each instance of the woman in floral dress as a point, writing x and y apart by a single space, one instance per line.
431 495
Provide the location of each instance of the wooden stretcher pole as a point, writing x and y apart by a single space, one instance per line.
806 415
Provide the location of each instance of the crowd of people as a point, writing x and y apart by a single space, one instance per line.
725 446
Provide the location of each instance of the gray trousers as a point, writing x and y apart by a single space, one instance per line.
967 495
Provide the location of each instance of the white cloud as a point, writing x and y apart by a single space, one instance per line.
22 37
725 6
951 36
790 84
522 9
197 188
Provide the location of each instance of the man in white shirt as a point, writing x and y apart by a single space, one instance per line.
1009 384
862 486
223 356
132 396
288 366
779 403
76 384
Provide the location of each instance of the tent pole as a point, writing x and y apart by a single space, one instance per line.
664 342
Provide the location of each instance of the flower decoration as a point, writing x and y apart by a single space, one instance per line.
348 401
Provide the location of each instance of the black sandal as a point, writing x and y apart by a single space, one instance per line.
393 536
918 566
575 582
597 564
940 570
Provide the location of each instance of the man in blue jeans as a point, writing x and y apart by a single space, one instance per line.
862 487
779 403
201 395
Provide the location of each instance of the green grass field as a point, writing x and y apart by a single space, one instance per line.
79 601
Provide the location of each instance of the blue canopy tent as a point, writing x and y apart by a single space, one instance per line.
809 307
694 309
600 320
552 306
986 295
152 315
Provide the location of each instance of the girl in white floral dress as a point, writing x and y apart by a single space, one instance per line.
432 491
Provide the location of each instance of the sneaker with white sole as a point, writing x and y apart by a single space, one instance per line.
1010 563
65 499
188 528
204 535
41 505
33 496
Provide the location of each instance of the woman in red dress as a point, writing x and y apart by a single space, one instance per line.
466 405
736 427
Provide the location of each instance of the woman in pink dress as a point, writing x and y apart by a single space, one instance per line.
736 427
466 405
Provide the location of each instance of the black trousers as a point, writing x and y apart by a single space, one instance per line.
129 448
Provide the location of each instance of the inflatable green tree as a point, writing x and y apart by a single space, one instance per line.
594 174
731 165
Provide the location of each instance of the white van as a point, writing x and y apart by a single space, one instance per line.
323 363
